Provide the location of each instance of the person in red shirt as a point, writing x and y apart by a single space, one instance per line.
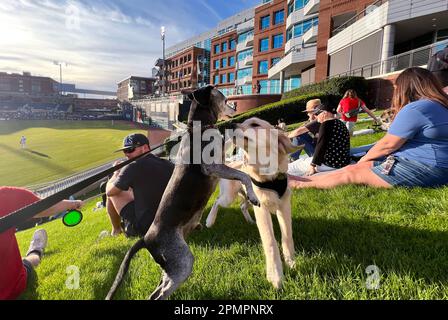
15 272
349 107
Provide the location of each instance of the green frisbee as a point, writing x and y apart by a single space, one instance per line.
72 218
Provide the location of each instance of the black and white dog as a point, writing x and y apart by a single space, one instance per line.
184 200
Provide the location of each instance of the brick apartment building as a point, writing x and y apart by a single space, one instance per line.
269 41
182 69
135 88
223 61
26 84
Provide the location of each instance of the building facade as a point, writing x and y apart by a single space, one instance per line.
26 84
135 88
223 62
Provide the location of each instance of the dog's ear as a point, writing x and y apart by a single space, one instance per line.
285 145
188 93
202 95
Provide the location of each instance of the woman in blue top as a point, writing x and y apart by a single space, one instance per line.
414 153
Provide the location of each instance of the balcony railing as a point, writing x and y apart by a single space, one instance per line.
360 15
414 58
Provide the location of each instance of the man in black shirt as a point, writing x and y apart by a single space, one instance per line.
134 193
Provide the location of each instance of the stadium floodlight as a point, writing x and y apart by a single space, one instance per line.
60 64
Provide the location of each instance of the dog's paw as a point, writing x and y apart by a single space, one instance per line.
290 262
254 201
276 281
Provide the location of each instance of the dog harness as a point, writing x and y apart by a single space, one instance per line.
279 185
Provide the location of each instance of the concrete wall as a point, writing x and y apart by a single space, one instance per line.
249 102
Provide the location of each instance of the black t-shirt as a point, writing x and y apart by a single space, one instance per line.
333 145
148 178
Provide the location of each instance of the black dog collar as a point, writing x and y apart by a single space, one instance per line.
279 185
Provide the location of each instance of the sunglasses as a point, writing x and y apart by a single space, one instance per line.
127 151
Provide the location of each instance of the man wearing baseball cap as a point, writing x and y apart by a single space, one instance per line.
307 135
134 192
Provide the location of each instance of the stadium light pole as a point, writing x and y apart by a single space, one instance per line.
59 63
162 34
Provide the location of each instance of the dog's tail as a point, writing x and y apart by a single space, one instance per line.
140 244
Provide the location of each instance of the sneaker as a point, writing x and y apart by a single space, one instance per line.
38 243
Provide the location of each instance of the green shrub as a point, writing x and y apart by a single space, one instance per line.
290 110
335 86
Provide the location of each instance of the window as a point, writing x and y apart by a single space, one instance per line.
242 37
279 17
224 78
277 41
231 77
231 61
189 57
244 54
216 64
263 67
247 72
232 44
290 8
216 81
300 28
264 44
224 46
264 86
224 63
217 48
274 61
264 22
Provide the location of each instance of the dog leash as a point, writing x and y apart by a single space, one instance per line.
19 216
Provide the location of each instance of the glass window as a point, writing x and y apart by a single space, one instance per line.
279 17
264 44
264 86
246 53
289 34
216 79
263 67
231 77
277 41
224 78
224 46
232 44
217 48
299 4
216 64
274 61
231 61
224 62
247 89
207 44
264 22
290 8
242 37
247 72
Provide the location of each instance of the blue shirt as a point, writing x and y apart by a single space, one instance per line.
424 124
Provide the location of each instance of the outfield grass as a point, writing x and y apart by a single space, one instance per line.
57 149
337 233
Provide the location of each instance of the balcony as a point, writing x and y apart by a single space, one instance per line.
295 17
159 63
297 59
245 26
311 35
249 41
243 81
311 7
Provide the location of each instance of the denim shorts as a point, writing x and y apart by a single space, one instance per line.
410 173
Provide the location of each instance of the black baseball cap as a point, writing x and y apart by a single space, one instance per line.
324 107
134 140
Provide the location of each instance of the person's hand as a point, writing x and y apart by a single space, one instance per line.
311 171
76 204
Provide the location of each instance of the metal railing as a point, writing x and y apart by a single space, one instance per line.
50 188
414 58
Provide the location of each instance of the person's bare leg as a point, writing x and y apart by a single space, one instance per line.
34 259
114 205
356 174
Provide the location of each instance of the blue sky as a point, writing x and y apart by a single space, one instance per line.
102 41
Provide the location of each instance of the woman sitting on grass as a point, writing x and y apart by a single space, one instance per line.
416 146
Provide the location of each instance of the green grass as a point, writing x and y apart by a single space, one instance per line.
56 149
337 234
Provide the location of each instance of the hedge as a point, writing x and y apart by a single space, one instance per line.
335 86
290 110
